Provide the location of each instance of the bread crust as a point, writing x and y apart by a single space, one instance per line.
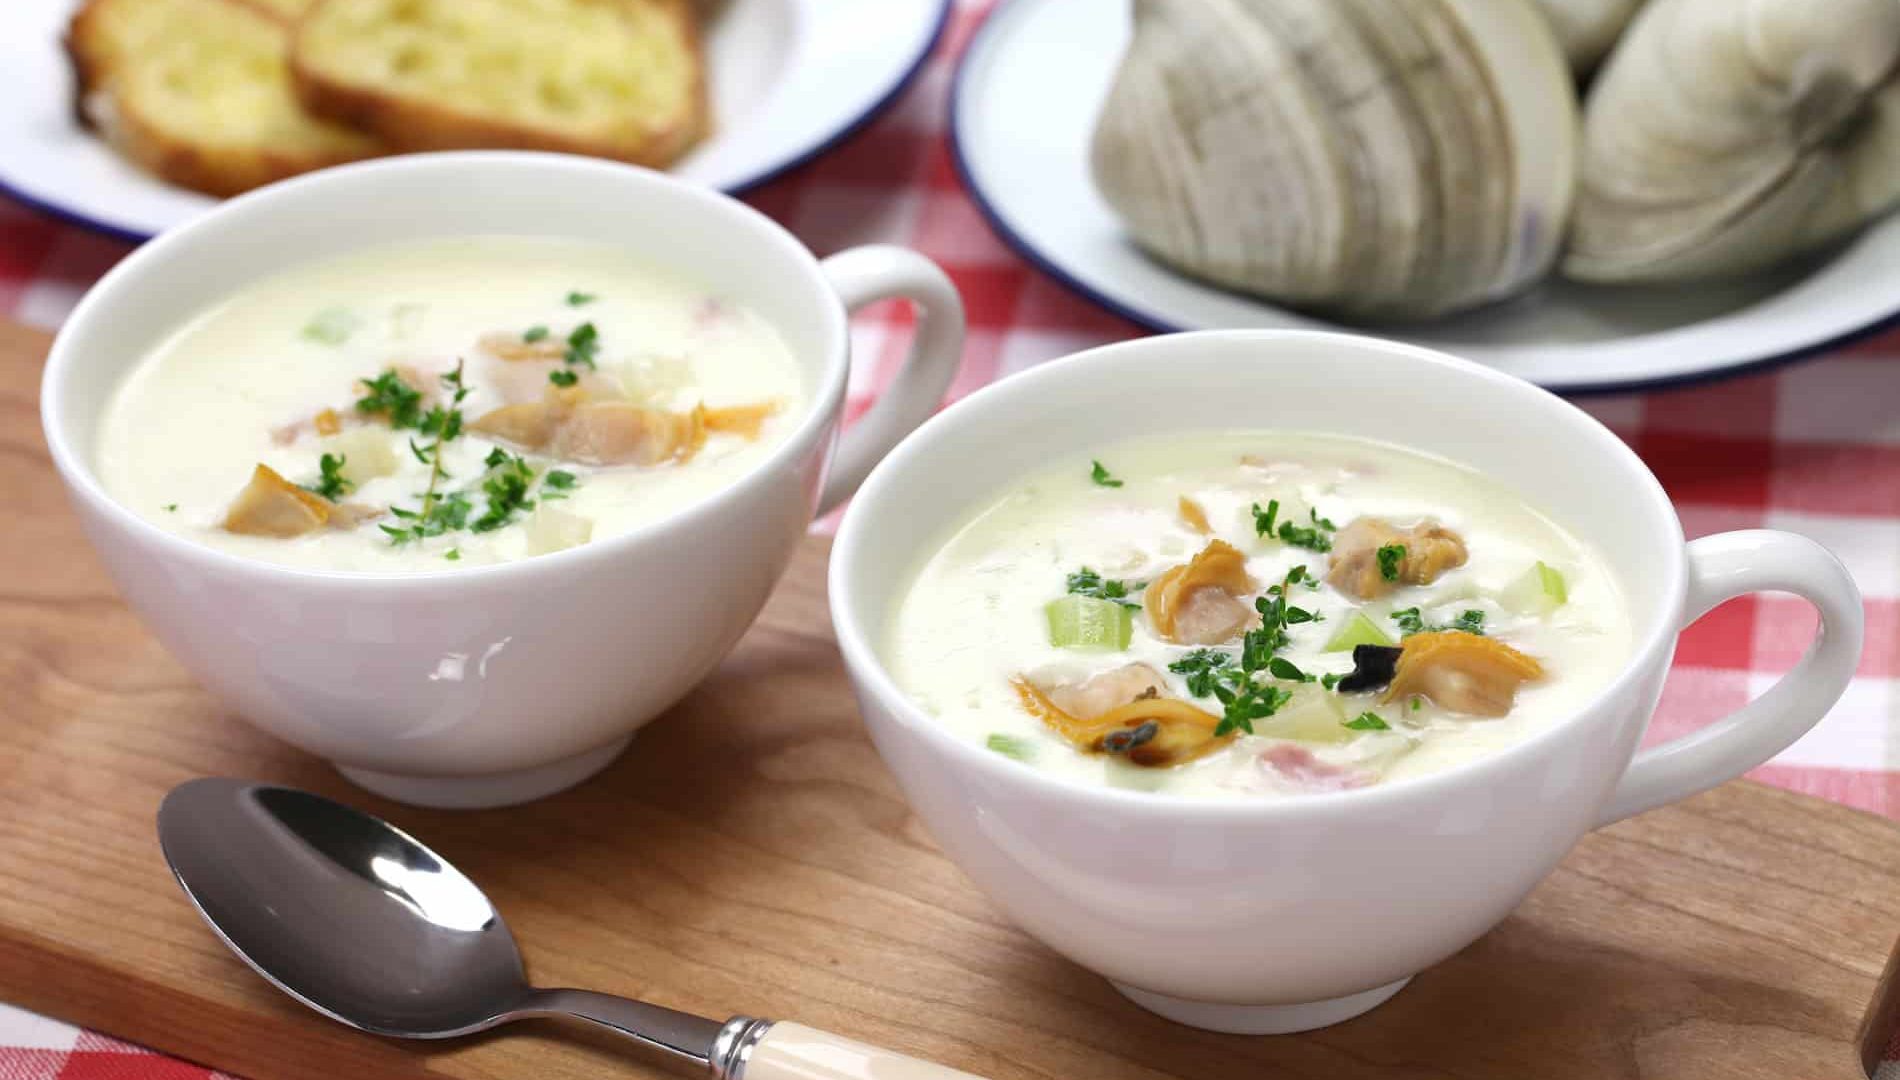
207 164
412 123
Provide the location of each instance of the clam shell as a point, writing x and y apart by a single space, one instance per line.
1726 135
1384 158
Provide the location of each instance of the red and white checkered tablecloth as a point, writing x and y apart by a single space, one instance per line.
1813 448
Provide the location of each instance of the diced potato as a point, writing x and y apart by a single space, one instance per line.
551 529
367 452
1313 716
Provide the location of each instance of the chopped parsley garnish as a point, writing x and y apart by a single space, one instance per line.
1263 519
1202 668
506 485
453 554
171 508
388 396
438 513
1330 680
534 333
563 377
1101 476
1469 621
1312 537
1368 721
577 299
1282 668
583 344
1243 697
1086 582
556 484
1417 704
331 483
1390 556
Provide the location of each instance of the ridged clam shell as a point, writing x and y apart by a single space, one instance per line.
1385 158
1726 135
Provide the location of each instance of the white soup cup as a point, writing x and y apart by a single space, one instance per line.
488 685
1284 915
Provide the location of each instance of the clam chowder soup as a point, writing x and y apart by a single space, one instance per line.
1256 615
451 403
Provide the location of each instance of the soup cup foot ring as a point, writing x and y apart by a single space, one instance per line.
485 792
1262 1019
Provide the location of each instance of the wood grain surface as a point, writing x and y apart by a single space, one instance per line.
751 854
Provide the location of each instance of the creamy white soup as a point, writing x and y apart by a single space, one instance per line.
428 406
1256 615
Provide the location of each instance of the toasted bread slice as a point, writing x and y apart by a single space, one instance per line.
284 11
612 78
197 91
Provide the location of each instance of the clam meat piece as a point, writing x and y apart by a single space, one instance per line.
1353 566
1151 731
1461 672
1199 602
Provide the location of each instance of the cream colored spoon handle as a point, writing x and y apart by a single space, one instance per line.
795 1052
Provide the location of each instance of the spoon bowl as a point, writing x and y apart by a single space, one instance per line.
363 923
349 915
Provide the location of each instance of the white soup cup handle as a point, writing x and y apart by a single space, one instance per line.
864 275
1723 567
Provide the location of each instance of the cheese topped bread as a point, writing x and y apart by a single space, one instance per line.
612 78
198 92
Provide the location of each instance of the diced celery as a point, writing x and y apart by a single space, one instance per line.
1313 716
1011 746
1083 622
1537 591
332 326
1356 631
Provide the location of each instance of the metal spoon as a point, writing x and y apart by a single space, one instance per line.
356 919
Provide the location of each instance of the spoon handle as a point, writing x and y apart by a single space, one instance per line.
787 1051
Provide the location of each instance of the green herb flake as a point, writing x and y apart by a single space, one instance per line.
171 508
580 299
1243 697
1390 556
1011 746
1368 721
1417 704
1263 519
331 483
534 333
1282 668
453 554
1312 537
388 396
1469 621
506 485
557 484
1330 680
1101 476
438 513
563 377
583 344
1203 668
1086 582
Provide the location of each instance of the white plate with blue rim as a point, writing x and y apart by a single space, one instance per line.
788 79
1024 106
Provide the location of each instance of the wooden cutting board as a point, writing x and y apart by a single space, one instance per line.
750 854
